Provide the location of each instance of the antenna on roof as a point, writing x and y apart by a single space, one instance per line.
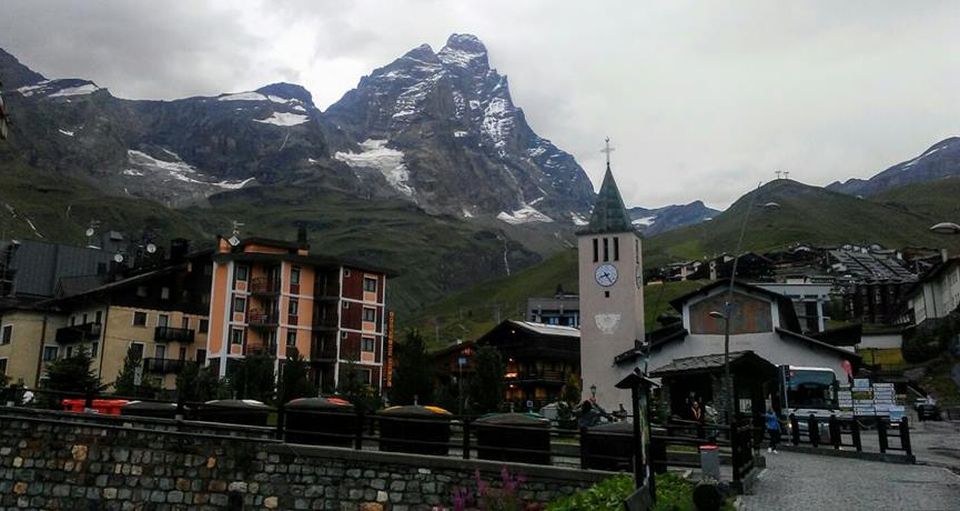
236 227
786 174
779 173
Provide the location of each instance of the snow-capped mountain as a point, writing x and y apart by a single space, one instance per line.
655 221
442 129
939 161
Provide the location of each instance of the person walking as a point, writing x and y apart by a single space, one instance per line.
773 429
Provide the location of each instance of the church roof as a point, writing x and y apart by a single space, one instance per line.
609 213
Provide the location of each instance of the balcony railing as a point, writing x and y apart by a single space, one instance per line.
262 319
323 350
544 376
264 286
78 333
168 334
163 365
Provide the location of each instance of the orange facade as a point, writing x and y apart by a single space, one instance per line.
273 296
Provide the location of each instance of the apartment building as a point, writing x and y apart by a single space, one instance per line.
274 296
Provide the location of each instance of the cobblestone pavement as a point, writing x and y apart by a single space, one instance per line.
805 482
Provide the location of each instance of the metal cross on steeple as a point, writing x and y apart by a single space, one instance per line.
607 150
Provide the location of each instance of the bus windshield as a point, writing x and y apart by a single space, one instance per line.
810 388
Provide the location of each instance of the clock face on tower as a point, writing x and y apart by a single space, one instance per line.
606 275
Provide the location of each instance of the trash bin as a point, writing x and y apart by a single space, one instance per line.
109 406
73 405
320 421
402 427
608 447
519 437
235 411
710 461
150 409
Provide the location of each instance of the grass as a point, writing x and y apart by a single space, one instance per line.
939 382
674 493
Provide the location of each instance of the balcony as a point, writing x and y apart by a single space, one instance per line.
264 286
260 319
326 324
78 333
170 334
163 365
544 376
323 351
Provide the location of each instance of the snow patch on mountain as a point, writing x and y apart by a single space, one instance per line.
498 122
65 132
524 215
646 221
460 57
30 90
922 156
578 219
144 165
59 88
389 162
284 119
82 90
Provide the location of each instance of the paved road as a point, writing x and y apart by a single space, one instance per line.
805 482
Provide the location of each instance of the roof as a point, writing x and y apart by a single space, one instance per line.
707 363
872 265
453 348
655 338
609 214
314 260
120 284
930 274
544 329
788 314
800 337
37 266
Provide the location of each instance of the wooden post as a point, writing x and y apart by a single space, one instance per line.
281 412
813 430
358 438
638 461
835 432
735 453
466 438
855 430
905 436
794 429
882 434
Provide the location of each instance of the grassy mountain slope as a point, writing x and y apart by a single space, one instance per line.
470 313
805 213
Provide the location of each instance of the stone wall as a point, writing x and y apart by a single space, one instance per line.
52 460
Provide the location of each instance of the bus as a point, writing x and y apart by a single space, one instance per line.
806 391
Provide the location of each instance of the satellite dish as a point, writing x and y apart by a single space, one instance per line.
118 258
234 241
151 248
89 232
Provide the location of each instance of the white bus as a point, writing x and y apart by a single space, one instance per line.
806 391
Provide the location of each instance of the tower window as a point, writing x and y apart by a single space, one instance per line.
596 249
616 249
606 294
606 249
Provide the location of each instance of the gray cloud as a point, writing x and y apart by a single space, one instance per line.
702 99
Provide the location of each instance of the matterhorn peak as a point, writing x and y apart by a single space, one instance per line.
464 50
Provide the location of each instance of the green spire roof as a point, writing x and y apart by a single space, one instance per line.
609 213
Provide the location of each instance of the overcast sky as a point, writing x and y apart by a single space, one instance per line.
702 100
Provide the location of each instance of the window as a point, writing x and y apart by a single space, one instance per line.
616 248
239 304
596 249
183 354
142 291
370 284
84 320
50 353
292 338
3 366
163 320
164 293
136 350
185 323
160 351
606 249
99 317
295 275
366 375
94 349
241 273
204 326
139 319
236 336
6 335
368 344
201 357
69 351
293 307
369 314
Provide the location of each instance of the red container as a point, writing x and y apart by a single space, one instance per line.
73 405
104 406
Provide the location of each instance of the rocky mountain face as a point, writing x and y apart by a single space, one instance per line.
436 128
655 221
442 129
939 161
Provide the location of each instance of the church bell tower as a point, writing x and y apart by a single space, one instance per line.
611 295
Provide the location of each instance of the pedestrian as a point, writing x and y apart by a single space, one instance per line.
696 414
773 429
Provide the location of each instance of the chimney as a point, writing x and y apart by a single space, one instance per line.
302 235
178 249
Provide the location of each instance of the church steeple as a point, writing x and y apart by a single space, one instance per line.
609 213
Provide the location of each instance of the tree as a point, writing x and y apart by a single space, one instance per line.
486 388
73 374
254 378
413 377
295 378
126 384
196 384
354 388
